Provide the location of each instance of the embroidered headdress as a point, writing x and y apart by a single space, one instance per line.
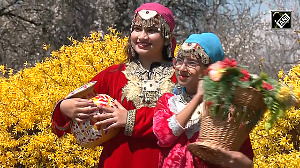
157 15
205 46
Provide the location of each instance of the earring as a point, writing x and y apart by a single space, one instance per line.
169 51
177 89
132 51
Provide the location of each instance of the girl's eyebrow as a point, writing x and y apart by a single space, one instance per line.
152 27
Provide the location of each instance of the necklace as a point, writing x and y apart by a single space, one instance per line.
193 122
185 97
144 87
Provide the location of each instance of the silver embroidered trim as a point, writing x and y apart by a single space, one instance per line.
157 21
184 97
193 50
144 87
130 122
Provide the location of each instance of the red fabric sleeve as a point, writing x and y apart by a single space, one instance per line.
60 122
246 149
102 79
161 128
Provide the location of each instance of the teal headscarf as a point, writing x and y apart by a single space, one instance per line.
210 43
212 46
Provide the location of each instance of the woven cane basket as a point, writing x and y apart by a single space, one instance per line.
215 134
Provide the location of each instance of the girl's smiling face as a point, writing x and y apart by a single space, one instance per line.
188 71
147 41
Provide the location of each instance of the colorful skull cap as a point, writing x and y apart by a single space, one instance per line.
155 14
209 42
160 9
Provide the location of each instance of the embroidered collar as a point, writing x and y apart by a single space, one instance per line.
145 74
144 86
176 105
185 97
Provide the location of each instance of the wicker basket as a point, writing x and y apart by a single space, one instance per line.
215 134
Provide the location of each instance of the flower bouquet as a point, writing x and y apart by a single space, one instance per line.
234 102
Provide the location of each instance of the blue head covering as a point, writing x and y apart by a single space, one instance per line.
212 46
210 43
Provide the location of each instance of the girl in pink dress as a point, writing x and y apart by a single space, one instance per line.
176 121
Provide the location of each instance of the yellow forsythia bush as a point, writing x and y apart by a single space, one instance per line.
28 97
279 147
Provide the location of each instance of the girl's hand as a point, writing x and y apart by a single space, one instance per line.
78 109
199 93
235 159
114 117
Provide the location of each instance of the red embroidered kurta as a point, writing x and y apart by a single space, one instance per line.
136 151
173 138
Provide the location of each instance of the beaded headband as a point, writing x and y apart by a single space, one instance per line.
193 50
149 18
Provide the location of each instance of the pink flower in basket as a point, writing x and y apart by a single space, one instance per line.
216 71
235 102
267 86
224 77
229 63
246 76
209 103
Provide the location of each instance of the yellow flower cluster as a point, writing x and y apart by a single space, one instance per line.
279 147
284 94
28 97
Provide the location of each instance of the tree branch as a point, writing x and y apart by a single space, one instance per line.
23 18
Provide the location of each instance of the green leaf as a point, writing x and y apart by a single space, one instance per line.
268 126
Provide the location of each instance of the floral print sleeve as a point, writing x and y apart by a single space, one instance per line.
165 126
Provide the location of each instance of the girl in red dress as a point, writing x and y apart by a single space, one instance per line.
136 86
177 116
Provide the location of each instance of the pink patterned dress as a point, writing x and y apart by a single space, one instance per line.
173 138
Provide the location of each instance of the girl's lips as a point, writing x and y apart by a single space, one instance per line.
182 77
143 45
